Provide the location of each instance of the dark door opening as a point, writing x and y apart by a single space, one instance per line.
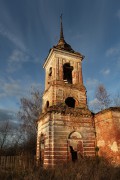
73 154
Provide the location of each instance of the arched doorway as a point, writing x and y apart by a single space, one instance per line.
74 155
75 145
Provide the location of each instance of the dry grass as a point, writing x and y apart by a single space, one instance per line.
84 169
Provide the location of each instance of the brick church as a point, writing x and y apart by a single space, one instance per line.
67 129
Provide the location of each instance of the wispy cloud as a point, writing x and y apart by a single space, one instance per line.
16 59
10 87
114 53
20 54
92 82
14 88
5 114
118 13
8 116
15 40
105 71
93 104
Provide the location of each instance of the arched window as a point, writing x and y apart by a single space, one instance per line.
74 135
47 104
70 102
67 72
50 71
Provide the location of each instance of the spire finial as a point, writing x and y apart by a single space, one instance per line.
61 29
62 43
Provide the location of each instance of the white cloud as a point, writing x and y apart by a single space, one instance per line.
118 63
11 88
113 51
105 71
20 54
6 114
10 117
93 102
92 82
14 88
15 40
16 59
118 13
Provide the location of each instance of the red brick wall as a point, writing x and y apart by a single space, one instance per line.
107 125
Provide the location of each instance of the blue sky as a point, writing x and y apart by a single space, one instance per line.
29 28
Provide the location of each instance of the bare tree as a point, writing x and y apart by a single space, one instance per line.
4 134
29 112
116 100
102 98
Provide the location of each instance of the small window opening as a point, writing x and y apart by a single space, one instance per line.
50 71
67 72
47 104
70 102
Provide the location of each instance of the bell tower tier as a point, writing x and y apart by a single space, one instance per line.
63 79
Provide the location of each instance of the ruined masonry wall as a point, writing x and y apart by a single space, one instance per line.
107 125
57 132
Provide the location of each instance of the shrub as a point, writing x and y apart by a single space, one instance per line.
84 169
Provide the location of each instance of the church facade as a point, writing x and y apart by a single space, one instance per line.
67 129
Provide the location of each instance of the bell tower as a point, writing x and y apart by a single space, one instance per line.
65 126
64 81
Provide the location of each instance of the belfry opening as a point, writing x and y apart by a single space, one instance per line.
67 72
70 102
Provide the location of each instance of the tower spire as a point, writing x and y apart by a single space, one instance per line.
61 29
62 43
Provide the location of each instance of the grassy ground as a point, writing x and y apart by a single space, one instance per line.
84 169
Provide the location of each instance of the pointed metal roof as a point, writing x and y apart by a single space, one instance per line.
62 43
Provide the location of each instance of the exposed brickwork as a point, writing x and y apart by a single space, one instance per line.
67 129
107 125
